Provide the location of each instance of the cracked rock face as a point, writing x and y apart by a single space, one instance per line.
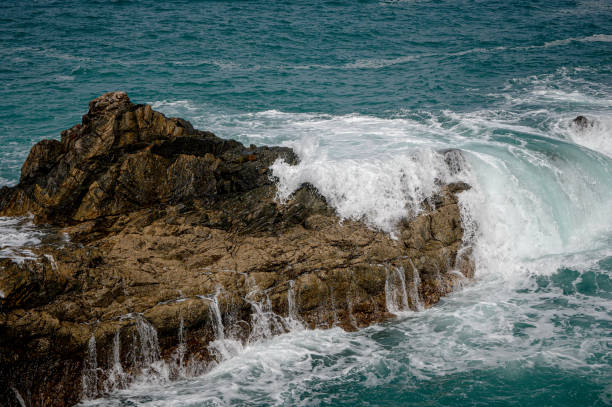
177 240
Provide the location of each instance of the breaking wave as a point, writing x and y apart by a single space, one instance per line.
537 216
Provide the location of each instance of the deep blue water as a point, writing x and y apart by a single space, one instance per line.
367 91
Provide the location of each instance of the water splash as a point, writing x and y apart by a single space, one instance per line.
396 297
351 315
181 350
146 353
413 292
117 378
147 348
380 190
218 319
223 348
292 321
51 261
292 308
264 322
554 327
89 376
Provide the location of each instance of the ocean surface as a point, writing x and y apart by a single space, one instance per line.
368 93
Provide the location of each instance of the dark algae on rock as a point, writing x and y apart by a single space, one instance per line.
179 251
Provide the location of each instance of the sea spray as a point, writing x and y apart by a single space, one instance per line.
217 318
263 322
380 190
459 279
291 307
594 135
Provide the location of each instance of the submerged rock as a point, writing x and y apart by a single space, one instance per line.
582 122
180 254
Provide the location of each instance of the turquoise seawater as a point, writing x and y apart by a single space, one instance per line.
368 93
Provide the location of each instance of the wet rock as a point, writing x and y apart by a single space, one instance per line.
179 246
582 122
454 160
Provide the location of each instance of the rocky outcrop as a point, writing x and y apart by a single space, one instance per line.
179 253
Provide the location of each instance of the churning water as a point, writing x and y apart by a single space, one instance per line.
368 94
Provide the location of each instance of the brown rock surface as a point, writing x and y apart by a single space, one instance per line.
177 240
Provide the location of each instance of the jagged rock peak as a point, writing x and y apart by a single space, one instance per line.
125 156
108 102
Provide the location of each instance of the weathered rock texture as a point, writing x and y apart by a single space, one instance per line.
177 240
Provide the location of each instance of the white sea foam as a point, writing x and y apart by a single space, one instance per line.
556 43
7 182
516 221
17 237
375 63
378 63
380 190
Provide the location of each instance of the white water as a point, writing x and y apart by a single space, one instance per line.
181 351
117 378
292 320
396 296
17 237
223 348
264 322
413 292
90 370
